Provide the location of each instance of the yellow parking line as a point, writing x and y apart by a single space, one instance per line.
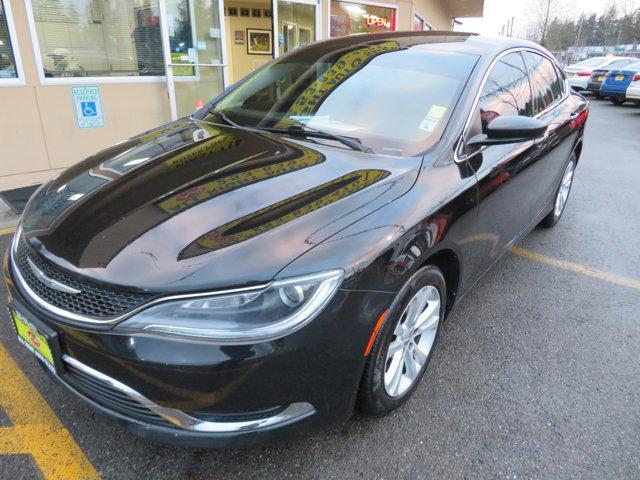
7 231
35 428
577 268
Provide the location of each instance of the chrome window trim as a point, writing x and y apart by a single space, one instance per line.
182 420
457 157
108 320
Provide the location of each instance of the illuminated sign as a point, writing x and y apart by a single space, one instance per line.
375 21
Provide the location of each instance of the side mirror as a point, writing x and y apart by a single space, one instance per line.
509 129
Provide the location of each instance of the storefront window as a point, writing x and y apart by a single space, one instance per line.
99 38
348 18
7 59
419 25
297 25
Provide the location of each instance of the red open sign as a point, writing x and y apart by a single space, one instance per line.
375 21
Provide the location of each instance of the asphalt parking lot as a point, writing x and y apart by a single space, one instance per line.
536 374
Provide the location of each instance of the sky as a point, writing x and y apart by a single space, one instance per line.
498 12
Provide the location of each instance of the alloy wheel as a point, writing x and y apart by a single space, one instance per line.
563 191
412 341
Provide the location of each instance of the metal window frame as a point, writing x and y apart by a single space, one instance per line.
275 21
15 49
80 80
422 19
171 79
458 155
362 2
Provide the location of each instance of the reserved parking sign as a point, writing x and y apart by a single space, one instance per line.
88 107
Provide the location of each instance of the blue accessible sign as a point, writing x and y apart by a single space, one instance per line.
88 107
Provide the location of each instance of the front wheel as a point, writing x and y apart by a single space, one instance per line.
618 101
404 344
562 195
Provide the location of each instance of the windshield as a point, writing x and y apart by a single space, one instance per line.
590 62
619 63
634 67
392 98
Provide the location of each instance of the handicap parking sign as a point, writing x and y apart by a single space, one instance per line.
88 107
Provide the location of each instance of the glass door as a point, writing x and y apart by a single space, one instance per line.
295 24
194 52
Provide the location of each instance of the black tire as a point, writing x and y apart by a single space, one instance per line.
551 219
373 398
617 101
598 95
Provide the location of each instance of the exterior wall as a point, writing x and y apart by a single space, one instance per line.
435 13
38 131
240 62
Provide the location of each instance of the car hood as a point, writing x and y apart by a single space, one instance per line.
194 205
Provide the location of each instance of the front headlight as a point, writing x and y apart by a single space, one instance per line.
250 316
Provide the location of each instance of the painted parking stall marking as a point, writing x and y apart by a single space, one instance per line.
35 430
577 268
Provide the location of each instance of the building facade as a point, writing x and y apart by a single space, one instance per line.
79 75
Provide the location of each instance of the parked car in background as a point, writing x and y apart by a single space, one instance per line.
579 73
598 75
633 92
617 81
289 251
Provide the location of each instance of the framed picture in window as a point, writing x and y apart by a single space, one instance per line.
256 12
245 12
259 42
232 11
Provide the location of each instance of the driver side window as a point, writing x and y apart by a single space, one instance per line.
506 91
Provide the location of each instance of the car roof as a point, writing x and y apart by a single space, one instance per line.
441 40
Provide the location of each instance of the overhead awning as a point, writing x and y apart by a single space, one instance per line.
465 8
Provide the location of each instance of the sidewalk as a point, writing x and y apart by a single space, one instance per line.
8 219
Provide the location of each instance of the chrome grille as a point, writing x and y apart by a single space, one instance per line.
94 300
108 397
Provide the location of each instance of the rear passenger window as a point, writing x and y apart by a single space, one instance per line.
506 91
546 85
562 78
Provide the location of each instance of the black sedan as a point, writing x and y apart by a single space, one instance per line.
289 252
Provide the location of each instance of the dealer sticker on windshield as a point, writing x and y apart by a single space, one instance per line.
430 121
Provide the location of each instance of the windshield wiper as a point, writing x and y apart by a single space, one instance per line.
304 131
300 130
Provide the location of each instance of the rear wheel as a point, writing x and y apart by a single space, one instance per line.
598 95
617 101
562 195
404 344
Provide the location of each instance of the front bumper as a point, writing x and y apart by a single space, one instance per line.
170 425
206 395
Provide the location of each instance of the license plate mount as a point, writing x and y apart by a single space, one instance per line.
38 338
